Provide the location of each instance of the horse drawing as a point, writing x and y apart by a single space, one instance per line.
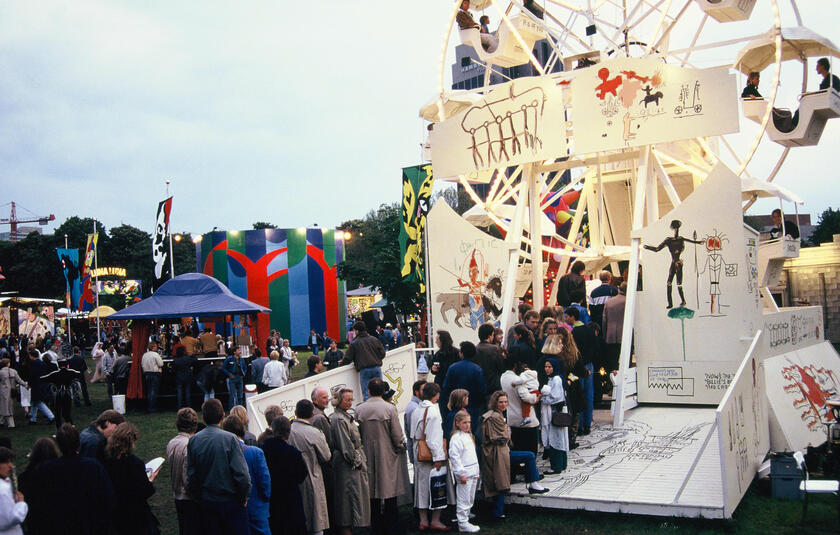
651 97
460 303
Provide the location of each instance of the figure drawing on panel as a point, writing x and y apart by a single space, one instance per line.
478 294
715 266
503 128
676 246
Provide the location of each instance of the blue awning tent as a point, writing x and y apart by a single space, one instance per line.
189 295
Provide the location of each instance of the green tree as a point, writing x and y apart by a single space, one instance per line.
32 268
827 226
131 248
77 230
262 225
372 258
457 198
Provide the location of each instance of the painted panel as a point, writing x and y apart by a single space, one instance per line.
632 102
466 271
798 383
399 370
5 321
793 328
694 314
743 430
517 122
256 264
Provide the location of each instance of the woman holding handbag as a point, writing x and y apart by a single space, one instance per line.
429 453
555 417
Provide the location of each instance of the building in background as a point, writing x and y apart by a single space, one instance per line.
814 279
290 271
22 232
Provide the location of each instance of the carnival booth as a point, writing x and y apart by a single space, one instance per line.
191 295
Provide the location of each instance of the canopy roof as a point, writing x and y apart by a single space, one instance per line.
797 42
760 188
453 103
189 295
102 311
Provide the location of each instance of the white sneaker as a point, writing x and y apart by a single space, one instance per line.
468 528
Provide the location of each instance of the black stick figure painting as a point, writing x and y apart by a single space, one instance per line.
676 246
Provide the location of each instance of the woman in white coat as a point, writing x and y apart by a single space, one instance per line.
555 439
427 423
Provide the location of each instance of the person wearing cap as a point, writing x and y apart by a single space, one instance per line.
366 353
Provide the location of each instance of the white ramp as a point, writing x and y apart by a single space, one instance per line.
661 461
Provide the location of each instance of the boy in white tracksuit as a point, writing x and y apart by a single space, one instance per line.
464 463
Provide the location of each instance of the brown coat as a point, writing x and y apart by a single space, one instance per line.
465 20
613 320
382 436
320 420
495 453
312 444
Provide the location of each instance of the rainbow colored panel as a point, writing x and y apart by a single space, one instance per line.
291 271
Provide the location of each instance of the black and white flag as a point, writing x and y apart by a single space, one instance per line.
160 249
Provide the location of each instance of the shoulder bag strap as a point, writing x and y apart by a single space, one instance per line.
425 413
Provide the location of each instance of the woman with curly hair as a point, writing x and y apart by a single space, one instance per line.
132 486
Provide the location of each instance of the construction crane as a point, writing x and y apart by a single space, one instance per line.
13 221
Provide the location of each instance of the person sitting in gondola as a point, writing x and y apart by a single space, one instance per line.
466 21
751 90
824 70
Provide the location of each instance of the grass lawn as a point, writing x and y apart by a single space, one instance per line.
757 513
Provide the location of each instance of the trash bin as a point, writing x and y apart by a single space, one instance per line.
119 403
785 476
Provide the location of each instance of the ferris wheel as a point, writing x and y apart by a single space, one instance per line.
661 107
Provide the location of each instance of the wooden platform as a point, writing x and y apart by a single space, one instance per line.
647 467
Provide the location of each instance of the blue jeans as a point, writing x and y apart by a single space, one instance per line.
527 457
236 391
152 384
499 505
40 405
224 518
365 375
588 397
183 392
314 348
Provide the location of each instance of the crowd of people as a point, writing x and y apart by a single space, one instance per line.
491 410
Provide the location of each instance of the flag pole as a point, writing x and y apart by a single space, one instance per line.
169 231
69 306
96 277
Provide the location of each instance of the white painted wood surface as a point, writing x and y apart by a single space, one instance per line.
640 467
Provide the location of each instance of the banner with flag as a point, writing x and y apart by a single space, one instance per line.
70 266
417 182
160 250
87 301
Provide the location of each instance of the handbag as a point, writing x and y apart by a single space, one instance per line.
437 489
558 417
424 454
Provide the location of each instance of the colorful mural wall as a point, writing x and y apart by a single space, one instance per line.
291 271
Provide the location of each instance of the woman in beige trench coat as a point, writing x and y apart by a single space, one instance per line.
349 463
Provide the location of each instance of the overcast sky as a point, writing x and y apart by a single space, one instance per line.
290 112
